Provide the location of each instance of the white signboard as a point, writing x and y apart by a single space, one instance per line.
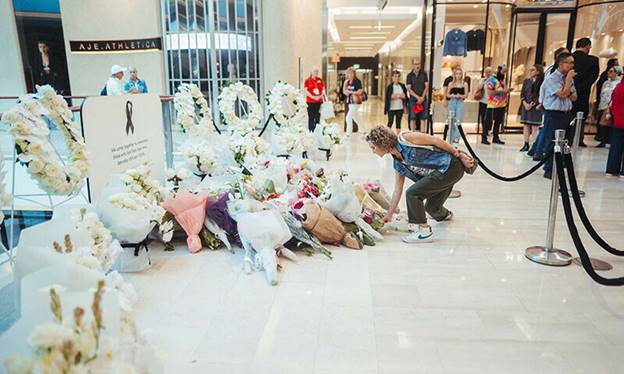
122 132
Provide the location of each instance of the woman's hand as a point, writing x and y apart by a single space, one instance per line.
466 160
387 218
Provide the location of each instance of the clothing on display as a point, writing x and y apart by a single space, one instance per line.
476 40
455 43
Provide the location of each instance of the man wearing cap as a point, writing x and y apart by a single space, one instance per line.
115 84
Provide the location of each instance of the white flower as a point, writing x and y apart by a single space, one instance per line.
183 173
170 173
49 335
227 100
19 365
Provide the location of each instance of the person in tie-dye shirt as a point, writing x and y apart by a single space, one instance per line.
498 97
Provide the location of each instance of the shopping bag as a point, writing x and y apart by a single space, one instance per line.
327 109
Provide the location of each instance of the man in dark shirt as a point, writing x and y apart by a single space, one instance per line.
587 69
417 88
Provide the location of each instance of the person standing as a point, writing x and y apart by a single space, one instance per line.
394 103
557 95
353 91
135 85
604 113
601 134
536 149
487 72
114 85
417 84
587 69
531 114
498 96
315 91
456 94
615 162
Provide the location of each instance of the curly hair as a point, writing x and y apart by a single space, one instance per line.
382 137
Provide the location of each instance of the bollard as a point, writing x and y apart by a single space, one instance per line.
578 125
548 254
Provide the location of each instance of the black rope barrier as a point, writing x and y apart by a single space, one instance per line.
578 243
576 197
492 173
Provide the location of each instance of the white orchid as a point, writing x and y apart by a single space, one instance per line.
200 157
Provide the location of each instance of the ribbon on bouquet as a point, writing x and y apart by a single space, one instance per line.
129 124
136 246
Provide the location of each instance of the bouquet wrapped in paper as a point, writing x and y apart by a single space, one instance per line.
345 205
189 211
326 135
376 192
263 233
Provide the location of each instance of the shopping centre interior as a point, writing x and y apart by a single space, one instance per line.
477 299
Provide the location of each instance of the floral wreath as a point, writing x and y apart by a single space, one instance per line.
34 148
227 100
191 106
275 98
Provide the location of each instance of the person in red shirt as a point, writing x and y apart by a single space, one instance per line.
315 91
615 162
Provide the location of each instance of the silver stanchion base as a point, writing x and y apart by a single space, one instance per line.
552 257
597 264
455 194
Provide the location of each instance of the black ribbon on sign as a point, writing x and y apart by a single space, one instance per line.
129 124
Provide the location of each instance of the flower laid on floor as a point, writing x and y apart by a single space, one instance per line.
103 247
326 135
78 345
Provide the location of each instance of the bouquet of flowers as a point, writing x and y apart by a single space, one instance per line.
79 345
326 135
289 141
102 246
200 156
247 148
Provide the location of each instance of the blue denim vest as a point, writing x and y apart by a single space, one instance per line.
418 162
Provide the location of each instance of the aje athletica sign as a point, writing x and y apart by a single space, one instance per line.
104 46
122 132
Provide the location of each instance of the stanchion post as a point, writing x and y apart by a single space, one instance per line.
548 254
452 127
578 125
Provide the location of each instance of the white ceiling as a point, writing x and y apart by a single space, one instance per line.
357 28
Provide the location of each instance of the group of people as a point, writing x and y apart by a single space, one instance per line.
115 85
411 95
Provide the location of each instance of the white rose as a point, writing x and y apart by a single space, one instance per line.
170 173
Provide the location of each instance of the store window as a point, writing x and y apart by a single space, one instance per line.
212 43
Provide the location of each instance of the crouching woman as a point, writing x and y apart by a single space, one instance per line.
432 164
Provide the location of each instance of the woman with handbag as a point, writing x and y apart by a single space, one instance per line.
530 110
355 94
481 95
394 103
315 92
604 113
432 164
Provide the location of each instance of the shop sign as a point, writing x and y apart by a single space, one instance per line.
122 132
110 46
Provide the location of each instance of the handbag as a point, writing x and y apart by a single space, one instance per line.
327 108
417 108
605 118
478 95
358 98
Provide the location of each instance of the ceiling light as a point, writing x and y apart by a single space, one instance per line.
475 6
371 27
368 37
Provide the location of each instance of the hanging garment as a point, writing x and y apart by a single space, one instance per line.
475 40
455 43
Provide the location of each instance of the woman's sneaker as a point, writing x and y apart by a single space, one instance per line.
420 236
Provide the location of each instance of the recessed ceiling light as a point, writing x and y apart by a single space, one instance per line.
475 6
368 37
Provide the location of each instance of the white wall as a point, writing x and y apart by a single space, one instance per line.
12 70
110 20
291 29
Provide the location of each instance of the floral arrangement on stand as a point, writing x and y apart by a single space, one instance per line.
33 146
285 93
79 345
200 156
227 105
193 112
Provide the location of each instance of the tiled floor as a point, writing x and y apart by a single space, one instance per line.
468 303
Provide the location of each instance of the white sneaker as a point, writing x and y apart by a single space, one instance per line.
420 236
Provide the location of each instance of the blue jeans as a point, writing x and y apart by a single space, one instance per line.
456 105
615 162
536 148
554 120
